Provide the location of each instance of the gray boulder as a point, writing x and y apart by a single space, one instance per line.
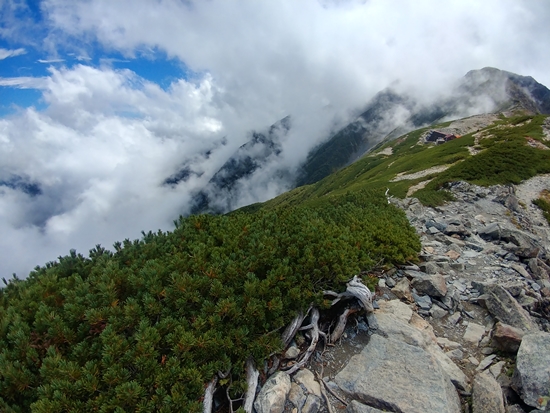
432 285
490 232
531 378
504 307
391 375
272 397
487 395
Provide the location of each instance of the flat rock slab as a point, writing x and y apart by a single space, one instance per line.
391 375
532 375
473 334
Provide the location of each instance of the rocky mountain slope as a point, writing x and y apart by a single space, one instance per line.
387 116
466 330
389 113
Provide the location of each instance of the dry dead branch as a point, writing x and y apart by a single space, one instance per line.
252 375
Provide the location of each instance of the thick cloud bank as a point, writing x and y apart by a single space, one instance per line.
88 167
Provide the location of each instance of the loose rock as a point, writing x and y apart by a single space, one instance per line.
272 397
532 375
487 395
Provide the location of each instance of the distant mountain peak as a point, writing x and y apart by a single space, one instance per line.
250 157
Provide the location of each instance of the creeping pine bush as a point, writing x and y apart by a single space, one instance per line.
145 327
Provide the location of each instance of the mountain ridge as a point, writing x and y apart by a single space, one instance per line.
388 115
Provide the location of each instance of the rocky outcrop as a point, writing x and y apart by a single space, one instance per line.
395 376
532 374
480 295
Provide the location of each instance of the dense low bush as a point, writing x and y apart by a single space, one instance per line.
143 328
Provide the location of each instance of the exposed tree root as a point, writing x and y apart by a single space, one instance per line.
342 320
314 326
252 375
323 393
292 329
355 289
209 395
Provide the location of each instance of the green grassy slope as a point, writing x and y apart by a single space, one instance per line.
504 157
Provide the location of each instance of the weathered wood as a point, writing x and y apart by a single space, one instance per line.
209 395
323 393
252 375
354 288
340 327
359 290
314 339
292 329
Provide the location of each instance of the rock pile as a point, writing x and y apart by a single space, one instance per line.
466 330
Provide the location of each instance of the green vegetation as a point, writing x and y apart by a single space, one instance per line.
145 327
505 157
544 204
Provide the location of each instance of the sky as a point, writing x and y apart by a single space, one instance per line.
101 100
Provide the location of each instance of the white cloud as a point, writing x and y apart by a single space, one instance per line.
99 169
48 61
5 53
23 82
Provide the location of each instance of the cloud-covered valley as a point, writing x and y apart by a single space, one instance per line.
87 163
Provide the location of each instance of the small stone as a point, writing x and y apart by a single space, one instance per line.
532 374
381 283
487 350
452 255
306 378
272 396
429 267
454 318
437 312
402 290
514 288
390 282
486 362
485 340
445 343
424 301
455 354
432 285
496 369
520 270
292 352
473 333
296 395
473 360
312 404
433 231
